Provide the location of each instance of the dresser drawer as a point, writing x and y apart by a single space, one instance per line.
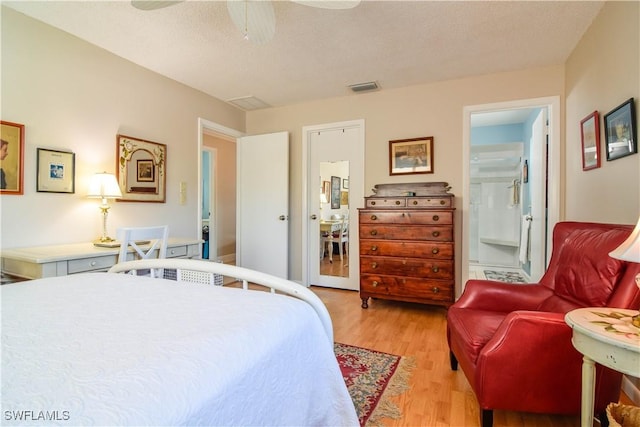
429 202
407 249
380 202
433 217
413 267
406 287
397 232
91 264
177 251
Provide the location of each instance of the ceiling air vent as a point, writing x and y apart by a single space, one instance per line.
248 103
364 87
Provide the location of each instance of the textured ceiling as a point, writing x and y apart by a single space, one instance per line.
317 53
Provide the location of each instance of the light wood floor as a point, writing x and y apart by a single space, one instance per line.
437 395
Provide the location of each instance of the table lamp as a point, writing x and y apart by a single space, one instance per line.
104 186
629 250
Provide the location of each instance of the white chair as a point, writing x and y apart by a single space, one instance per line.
342 237
146 242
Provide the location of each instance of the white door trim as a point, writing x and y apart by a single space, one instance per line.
353 204
552 103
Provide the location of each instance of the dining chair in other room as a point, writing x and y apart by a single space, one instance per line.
146 242
342 238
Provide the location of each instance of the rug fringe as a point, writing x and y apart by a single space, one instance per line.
399 384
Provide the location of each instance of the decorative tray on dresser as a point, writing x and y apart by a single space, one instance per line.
407 244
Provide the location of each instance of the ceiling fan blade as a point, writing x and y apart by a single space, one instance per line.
152 4
329 4
255 19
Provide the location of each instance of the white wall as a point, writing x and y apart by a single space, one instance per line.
71 95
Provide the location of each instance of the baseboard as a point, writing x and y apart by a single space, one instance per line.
631 390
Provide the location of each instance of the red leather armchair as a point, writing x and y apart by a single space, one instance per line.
512 342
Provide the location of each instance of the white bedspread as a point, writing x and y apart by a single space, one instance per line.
113 349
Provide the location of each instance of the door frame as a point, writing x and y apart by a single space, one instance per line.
552 103
211 128
213 228
354 250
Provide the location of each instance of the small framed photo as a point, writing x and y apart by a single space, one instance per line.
411 156
620 131
590 136
146 171
11 158
55 171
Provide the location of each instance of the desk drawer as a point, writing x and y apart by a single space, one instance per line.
177 252
91 264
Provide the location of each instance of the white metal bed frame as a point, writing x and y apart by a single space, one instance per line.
207 272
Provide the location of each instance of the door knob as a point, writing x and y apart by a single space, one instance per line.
282 217
314 216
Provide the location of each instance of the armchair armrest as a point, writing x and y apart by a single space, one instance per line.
530 363
502 297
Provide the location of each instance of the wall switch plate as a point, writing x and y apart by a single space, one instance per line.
183 193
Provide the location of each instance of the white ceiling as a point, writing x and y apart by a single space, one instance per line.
317 53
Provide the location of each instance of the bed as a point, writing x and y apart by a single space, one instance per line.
120 349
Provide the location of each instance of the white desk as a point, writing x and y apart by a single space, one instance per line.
606 336
61 260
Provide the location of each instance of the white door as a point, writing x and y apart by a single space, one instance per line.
263 203
334 160
538 180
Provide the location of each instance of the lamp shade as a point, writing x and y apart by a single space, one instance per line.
629 250
104 185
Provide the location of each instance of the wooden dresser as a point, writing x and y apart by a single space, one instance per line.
407 244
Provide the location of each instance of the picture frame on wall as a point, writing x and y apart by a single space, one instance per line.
620 131
411 156
141 169
590 137
335 192
11 158
56 171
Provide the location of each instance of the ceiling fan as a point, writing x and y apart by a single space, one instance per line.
254 18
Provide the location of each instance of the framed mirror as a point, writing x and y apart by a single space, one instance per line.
141 169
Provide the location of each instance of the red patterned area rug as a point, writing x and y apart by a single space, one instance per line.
372 377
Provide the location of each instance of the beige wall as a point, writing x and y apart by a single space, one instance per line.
71 95
426 110
602 72
225 193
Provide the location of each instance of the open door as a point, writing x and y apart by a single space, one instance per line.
263 203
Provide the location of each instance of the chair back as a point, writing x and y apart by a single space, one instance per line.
146 242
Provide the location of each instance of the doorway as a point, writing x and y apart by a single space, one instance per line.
333 169
494 178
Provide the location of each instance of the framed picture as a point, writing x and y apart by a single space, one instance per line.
590 136
411 156
326 189
146 170
345 184
141 169
344 198
620 131
335 192
11 158
56 171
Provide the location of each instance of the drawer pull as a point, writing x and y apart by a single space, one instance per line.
442 202
375 283
374 232
374 248
172 252
397 202
373 217
373 203
435 269
93 263
436 217
435 251
435 233
415 202
435 289
374 265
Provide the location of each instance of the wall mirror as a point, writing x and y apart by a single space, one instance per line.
141 169
334 218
